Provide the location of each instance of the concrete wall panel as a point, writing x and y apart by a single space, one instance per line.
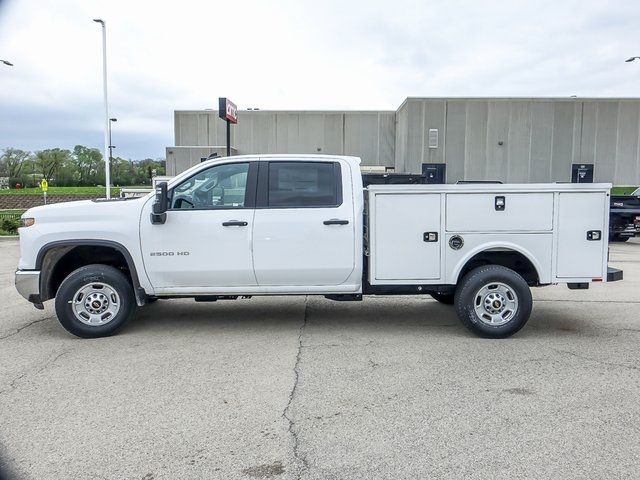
435 112
606 140
402 121
627 143
497 134
519 142
359 131
455 143
415 136
563 126
542 115
386 139
476 141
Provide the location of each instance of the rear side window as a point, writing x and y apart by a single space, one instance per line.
304 184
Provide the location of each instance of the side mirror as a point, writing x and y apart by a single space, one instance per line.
161 204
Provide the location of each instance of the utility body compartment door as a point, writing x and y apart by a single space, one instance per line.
405 237
499 212
577 255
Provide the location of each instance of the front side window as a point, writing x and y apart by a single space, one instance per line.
220 186
303 184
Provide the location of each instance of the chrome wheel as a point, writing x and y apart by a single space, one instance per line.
495 304
96 304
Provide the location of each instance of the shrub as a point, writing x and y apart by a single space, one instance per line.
10 225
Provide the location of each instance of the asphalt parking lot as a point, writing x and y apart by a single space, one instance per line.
283 388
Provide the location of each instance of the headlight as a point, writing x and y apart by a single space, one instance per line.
27 222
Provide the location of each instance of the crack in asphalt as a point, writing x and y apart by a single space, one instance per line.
300 459
594 360
13 384
584 301
19 329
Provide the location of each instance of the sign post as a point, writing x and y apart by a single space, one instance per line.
44 185
228 111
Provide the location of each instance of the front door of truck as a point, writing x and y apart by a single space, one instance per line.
206 240
304 225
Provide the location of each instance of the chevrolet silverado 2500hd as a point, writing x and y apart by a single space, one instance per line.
304 225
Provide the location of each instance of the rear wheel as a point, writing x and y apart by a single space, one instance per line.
617 238
95 301
446 298
493 301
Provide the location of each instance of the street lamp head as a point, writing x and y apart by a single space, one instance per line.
113 119
632 59
9 64
99 20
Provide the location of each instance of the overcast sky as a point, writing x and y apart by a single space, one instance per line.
297 54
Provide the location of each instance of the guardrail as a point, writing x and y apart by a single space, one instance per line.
10 215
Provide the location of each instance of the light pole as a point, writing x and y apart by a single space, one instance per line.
7 63
111 147
628 60
107 159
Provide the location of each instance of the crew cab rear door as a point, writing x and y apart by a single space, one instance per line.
304 229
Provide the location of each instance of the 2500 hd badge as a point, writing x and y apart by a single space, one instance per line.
167 254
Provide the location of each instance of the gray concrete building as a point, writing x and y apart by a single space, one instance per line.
507 139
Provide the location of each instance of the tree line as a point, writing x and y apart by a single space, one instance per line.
82 166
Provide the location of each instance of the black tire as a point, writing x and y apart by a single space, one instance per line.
446 298
617 238
469 291
96 278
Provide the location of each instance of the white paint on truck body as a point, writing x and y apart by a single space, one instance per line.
292 251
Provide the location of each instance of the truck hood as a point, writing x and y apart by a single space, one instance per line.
90 210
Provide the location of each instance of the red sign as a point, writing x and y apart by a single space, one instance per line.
227 110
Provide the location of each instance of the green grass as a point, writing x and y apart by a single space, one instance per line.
623 190
14 211
60 191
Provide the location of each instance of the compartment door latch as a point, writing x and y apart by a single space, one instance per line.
594 235
500 203
430 236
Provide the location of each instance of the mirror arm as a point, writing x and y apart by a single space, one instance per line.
158 218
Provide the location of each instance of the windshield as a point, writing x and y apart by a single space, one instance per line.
636 192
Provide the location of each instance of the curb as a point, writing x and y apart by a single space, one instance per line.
9 237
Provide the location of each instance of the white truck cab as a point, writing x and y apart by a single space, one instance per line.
304 224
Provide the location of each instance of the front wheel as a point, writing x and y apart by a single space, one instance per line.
493 301
95 301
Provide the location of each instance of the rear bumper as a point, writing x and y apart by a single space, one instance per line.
28 284
614 274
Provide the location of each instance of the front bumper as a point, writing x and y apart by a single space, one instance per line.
28 285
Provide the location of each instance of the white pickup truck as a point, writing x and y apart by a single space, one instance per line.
304 225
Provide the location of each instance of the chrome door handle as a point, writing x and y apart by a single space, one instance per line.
234 223
335 221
